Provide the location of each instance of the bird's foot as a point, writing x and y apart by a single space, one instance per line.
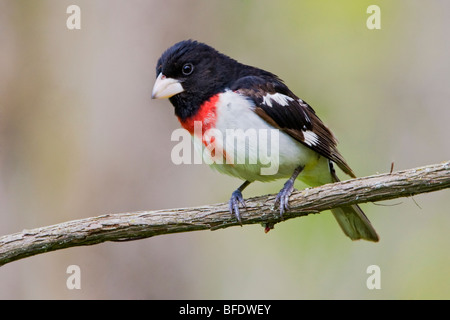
233 204
283 197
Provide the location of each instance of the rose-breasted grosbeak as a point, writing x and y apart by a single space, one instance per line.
217 92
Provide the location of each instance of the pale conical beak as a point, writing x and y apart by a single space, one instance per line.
166 87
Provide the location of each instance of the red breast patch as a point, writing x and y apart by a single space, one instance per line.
206 115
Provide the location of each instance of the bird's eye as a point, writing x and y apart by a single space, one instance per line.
187 69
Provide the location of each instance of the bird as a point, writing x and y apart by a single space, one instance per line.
215 96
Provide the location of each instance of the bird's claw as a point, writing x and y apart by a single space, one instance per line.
283 197
233 204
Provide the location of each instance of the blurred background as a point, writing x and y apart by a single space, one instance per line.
80 137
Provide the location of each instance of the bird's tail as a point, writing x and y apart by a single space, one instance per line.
354 223
352 219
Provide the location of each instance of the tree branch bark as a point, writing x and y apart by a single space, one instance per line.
138 225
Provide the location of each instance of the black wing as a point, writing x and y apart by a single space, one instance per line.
282 109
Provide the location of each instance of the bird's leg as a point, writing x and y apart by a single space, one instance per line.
284 194
236 198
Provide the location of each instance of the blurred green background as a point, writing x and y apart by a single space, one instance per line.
80 137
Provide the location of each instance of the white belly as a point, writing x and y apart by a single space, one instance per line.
254 149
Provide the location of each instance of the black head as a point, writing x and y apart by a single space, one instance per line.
189 73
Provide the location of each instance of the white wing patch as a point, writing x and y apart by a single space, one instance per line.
304 105
311 139
281 99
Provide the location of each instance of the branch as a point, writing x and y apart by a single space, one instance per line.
139 225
